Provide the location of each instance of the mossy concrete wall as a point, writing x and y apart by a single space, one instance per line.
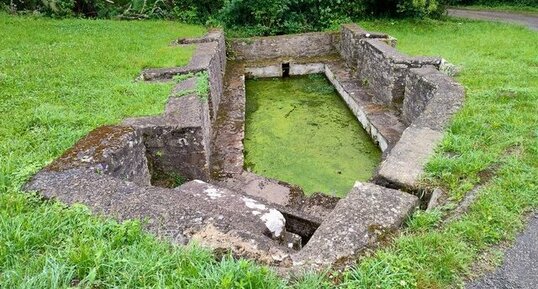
295 45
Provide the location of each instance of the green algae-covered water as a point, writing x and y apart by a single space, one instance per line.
299 130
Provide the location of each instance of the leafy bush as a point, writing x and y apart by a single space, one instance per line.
58 8
289 16
251 17
419 8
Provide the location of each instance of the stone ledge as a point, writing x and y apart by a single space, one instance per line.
195 211
205 51
361 220
229 126
382 122
385 68
447 99
404 166
115 150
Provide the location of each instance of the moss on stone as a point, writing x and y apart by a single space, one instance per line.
299 130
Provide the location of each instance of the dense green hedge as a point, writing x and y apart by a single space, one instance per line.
252 16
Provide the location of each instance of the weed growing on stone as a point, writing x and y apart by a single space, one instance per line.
202 84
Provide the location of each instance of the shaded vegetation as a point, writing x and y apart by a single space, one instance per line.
250 17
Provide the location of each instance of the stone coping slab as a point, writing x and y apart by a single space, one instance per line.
404 166
194 211
294 45
364 217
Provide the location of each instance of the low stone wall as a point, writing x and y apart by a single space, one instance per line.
117 151
431 99
295 45
350 35
385 69
210 56
177 142
216 70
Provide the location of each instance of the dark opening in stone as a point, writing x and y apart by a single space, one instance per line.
301 226
285 69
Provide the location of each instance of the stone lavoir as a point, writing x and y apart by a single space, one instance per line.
131 170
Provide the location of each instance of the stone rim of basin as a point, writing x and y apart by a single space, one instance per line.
403 102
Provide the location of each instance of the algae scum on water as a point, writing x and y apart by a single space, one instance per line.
300 131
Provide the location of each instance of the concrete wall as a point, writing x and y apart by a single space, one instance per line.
179 140
296 45
350 35
444 98
431 99
384 68
216 69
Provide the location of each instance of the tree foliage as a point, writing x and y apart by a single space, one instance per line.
267 17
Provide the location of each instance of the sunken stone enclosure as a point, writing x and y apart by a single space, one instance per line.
130 170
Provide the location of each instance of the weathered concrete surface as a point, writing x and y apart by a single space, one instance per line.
199 62
290 199
273 70
177 142
448 98
260 187
229 127
431 97
308 68
295 45
115 150
210 56
528 19
196 210
360 220
520 266
350 34
211 36
404 166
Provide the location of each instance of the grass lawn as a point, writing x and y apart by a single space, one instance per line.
60 79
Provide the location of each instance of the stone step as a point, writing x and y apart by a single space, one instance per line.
361 220
383 122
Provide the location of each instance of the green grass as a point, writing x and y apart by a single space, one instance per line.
496 131
60 79
299 130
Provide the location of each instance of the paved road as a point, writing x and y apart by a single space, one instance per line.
528 20
520 267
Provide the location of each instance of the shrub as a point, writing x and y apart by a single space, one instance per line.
58 8
289 16
267 17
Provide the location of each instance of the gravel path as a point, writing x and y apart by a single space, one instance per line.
528 20
520 266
